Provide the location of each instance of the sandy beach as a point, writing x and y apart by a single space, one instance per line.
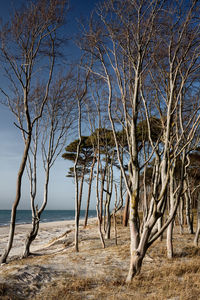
48 232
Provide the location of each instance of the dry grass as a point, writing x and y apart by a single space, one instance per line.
172 280
176 281
7 293
96 273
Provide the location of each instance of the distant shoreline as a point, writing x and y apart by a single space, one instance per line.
24 217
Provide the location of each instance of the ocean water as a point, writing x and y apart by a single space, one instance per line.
25 217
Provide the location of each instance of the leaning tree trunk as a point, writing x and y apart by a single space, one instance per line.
17 199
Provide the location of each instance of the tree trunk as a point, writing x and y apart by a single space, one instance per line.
188 209
136 259
17 199
108 220
170 253
138 254
196 239
101 195
81 191
37 214
126 210
89 191
159 224
181 216
133 219
31 237
109 195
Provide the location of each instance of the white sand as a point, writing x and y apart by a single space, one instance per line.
47 233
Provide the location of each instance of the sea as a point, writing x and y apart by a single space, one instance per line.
25 216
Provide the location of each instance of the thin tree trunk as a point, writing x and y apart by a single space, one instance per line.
181 216
108 221
17 199
109 194
126 210
31 236
188 208
37 214
98 202
101 195
114 215
145 203
196 239
81 192
159 224
170 253
89 190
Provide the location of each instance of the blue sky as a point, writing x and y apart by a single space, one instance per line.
61 189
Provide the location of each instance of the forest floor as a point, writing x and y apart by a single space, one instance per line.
56 271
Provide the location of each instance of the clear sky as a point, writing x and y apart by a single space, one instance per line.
61 189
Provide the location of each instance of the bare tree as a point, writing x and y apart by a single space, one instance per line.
54 129
28 44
